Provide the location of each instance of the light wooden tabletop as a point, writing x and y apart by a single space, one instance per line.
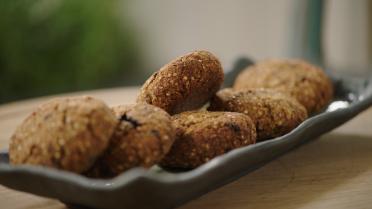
334 171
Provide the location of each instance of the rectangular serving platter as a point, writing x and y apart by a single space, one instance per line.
158 188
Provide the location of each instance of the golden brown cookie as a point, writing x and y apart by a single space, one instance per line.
64 133
144 135
273 113
186 83
305 82
203 135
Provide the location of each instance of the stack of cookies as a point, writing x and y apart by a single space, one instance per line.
181 119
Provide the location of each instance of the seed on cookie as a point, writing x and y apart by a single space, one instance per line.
144 135
203 135
185 83
273 113
64 133
305 82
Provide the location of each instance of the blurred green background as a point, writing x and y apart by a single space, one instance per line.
54 46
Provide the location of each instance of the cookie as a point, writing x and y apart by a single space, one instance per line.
186 83
144 135
64 133
305 82
203 135
273 113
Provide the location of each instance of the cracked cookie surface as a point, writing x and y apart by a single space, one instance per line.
273 113
64 133
305 82
186 83
143 136
203 135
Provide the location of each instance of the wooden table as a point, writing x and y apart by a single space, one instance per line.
334 171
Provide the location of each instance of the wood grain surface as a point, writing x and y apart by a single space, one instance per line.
334 171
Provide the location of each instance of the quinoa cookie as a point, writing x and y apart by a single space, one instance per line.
185 83
305 82
203 135
273 113
64 133
144 135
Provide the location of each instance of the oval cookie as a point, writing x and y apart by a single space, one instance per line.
144 135
273 113
64 133
186 83
305 82
203 135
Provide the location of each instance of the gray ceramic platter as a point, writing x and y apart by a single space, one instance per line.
157 188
